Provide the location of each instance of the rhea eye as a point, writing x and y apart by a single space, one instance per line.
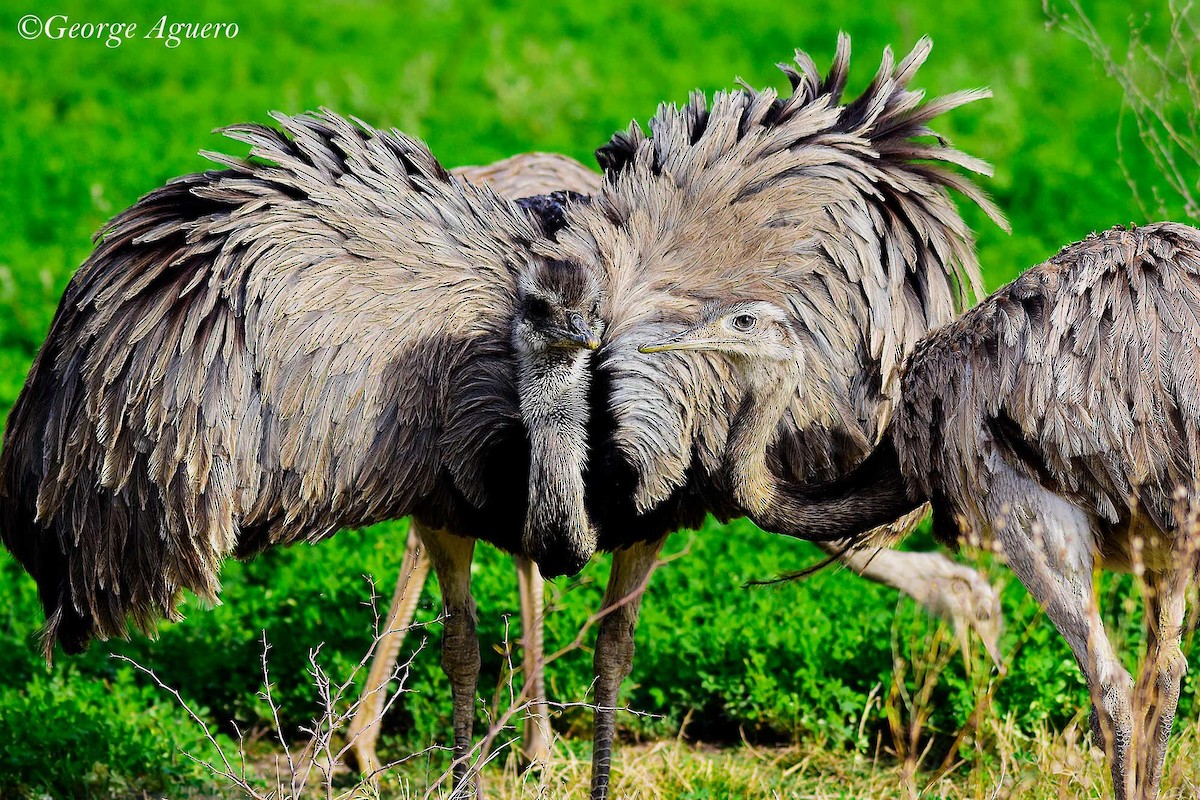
744 322
537 308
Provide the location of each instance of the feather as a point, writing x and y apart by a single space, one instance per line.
1092 356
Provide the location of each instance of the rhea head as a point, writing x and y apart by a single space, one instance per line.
558 310
556 328
760 340
755 332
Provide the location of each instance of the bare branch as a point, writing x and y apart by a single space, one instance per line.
1161 89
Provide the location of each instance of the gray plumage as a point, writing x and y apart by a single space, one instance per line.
931 578
1058 419
840 211
533 175
1082 375
318 337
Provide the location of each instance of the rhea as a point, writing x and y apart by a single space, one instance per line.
842 204
1059 420
330 333
838 206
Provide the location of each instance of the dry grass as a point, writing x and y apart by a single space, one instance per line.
992 757
1047 765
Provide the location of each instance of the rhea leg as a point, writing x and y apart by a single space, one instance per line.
451 556
363 732
1158 686
946 589
1049 544
537 734
614 649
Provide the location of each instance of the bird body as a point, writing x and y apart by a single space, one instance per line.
1083 375
316 338
1060 420
933 579
810 199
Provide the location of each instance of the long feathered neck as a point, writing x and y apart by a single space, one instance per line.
771 388
873 494
553 389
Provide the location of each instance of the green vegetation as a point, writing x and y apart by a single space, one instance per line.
87 129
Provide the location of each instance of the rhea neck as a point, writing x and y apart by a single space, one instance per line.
553 387
872 494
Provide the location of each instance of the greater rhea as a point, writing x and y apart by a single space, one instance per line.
330 333
1059 420
839 208
944 587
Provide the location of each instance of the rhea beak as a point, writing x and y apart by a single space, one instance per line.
691 339
578 334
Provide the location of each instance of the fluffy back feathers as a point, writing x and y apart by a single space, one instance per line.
837 210
1084 373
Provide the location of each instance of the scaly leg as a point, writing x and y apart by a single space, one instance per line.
614 649
537 733
451 556
1049 545
1158 686
363 732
